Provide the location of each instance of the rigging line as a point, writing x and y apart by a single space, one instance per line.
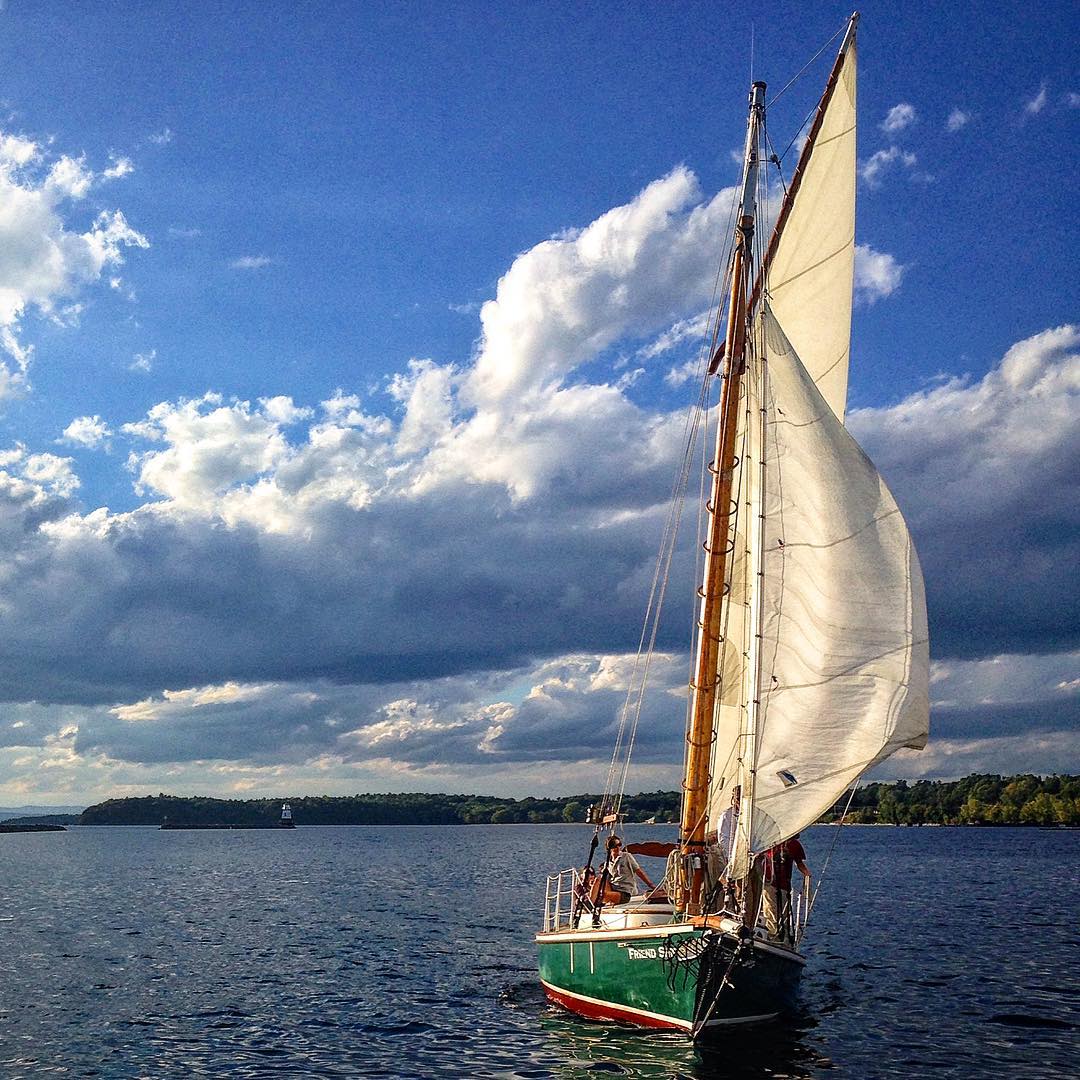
802 72
659 589
809 117
691 427
660 578
775 160
678 484
832 846
675 518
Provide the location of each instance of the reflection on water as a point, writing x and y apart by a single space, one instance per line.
409 952
759 1050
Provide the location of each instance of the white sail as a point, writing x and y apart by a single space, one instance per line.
812 268
844 672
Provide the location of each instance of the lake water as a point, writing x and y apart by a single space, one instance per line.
408 952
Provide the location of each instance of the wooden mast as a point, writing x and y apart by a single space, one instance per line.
718 545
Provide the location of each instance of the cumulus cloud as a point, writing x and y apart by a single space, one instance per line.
44 260
210 447
563 710
877 274
881 162
34 485
898 117
87 431
988 474
957 119
575 294
454 580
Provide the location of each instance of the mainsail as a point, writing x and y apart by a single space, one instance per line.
845 662
823 663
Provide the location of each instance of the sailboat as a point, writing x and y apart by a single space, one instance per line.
811 659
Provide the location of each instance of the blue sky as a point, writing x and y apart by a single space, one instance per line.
286 509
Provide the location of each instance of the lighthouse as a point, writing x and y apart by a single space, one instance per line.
286 821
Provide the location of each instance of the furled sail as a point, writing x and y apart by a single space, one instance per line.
811 262
844 667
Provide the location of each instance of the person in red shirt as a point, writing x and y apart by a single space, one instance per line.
777 895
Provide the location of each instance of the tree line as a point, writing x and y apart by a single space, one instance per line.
980 799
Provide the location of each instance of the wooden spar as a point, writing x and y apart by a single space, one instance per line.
804 161
717 548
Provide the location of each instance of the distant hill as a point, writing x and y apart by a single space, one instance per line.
43 819
403 809
7 812
980 799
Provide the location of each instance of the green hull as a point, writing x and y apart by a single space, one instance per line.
675 977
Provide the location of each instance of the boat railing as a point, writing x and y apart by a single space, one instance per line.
800 911
565 896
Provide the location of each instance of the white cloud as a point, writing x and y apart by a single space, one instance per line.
119 168
874 168
53 474
88 431
210 447
683 373
898 117
180 233
877 274
43 262
572 296
426 393
957 119
282 411
342 594
693 329
16 151
250 262
143 361
161 138
1072 100
988 473
1036 104
69 178
952 758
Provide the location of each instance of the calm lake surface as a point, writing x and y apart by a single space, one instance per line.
365 952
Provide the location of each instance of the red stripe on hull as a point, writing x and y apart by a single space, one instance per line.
595 1011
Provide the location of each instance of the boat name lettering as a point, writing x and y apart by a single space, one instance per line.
649 953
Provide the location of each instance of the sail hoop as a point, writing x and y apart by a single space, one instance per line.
700 735
839 666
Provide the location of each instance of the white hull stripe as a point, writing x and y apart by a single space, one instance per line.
664 930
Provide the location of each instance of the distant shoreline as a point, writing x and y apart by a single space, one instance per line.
980 800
